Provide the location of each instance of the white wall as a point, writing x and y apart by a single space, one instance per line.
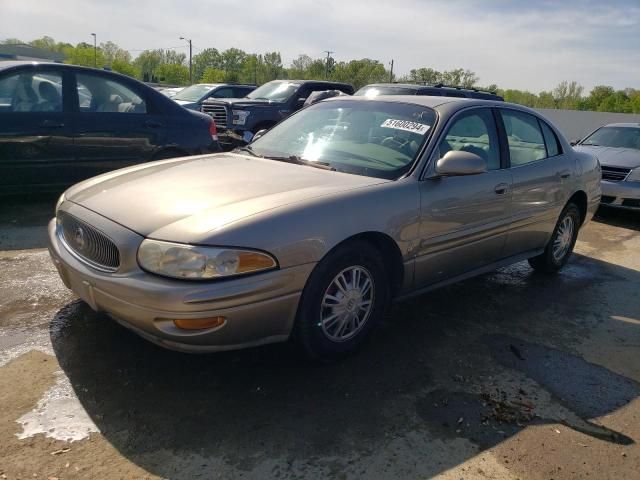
576 124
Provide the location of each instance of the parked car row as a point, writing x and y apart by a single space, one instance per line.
60 124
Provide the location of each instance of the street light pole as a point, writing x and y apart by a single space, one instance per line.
95 51
326 67
190 59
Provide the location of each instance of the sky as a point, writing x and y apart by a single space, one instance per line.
530 45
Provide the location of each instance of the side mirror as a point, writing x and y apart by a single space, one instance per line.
301 101
460 162
258 134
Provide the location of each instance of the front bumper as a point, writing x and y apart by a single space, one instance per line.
621 194
259 309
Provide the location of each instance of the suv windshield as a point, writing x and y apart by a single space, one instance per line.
382 90
619 137
194 92
277 91
371 138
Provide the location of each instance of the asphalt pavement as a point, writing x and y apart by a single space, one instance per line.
509 375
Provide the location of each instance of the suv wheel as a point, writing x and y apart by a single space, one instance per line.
345 296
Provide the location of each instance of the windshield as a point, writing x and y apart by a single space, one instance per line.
619 137
194 92
370 138
275 91
384 90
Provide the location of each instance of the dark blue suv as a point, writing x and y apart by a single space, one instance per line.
60 124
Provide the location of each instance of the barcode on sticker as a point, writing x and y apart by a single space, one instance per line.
406 125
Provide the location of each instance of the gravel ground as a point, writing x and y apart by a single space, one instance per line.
508 375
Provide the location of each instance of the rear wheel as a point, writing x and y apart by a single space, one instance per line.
560 246
345 297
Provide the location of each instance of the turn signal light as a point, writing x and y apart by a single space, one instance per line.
199 323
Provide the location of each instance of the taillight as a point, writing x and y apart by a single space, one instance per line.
213 130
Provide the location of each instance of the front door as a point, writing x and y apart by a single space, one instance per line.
464 219
115 126
36 142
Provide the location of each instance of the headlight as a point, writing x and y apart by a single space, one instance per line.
634 176
193 262
59 202
240 116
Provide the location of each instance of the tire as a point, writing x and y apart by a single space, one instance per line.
325 335
558 250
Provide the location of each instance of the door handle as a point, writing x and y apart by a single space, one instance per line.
564 174
501 188
52 124
153 124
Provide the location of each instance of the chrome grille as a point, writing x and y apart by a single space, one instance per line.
615 174
88 243
217 112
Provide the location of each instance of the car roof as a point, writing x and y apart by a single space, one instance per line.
412 86
443 104
326 82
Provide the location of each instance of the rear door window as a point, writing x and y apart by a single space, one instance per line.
525 139
97 94
551 140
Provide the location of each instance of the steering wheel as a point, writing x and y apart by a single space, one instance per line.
395 143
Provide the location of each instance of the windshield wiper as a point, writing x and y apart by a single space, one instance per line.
248 149
301 161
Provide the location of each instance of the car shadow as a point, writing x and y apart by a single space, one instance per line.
618 217
24 220
433 362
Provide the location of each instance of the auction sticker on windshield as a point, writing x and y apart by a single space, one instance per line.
406 125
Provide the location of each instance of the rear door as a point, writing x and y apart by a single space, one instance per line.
36 141
115 124
541 180
464 219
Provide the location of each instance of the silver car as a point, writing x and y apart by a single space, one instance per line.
315 227
617 146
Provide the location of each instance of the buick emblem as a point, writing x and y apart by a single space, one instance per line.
79 238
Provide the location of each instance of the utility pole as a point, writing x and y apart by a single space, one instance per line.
391 73
190 59
95 52
326 67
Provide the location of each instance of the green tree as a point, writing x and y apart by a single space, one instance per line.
213 75
126 68
232 60
567 95
360 72
84 54
272 65
113 52
207 58
148 62
173 73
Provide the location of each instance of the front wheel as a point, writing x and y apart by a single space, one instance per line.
345 296
560 246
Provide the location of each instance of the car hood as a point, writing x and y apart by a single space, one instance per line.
613 156
183 200
185 103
